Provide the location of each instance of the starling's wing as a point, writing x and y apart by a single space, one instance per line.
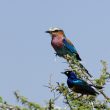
67 43
79 86
96 86
84 87
80 82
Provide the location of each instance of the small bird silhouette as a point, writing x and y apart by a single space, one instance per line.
63 46
79 85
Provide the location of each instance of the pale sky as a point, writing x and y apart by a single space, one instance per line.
26 57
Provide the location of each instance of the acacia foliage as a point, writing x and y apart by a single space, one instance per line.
73 101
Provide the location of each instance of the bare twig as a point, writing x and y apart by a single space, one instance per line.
68 102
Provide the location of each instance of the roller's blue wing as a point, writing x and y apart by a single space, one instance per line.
67 43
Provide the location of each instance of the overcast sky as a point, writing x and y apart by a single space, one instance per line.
26 57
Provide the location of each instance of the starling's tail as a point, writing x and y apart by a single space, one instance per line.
85 70
96 86
96 93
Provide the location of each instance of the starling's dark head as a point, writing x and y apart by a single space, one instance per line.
55 32
67 73
70 74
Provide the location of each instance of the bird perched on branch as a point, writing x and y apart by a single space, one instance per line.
79 85
63 46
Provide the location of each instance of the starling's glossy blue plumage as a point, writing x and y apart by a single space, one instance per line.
79 85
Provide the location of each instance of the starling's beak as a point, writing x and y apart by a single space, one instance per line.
62 72
47 31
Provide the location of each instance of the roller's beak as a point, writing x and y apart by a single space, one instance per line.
47 31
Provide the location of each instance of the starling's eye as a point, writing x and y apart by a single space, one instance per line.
67 72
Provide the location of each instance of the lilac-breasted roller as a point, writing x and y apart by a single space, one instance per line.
63 46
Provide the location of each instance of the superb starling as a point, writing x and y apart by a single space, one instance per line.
79 85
